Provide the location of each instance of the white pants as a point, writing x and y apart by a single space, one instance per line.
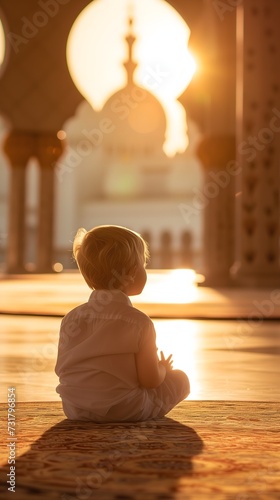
157 403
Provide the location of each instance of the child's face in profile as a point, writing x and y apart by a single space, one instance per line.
140 278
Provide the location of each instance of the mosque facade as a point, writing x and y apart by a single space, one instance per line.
118 172
87 179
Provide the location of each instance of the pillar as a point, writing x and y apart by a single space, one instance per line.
49 149
18 147
216 200
257 227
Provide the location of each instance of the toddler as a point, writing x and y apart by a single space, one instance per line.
107 363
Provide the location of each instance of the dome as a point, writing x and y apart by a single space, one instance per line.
137 117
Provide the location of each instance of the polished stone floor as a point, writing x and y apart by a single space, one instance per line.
226 359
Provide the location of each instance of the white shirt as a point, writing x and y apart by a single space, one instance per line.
96 353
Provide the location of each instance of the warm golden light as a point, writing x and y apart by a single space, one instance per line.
58 267
175 286
2 44
180 338
96 51
61 135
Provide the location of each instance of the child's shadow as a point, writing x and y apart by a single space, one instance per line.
77 459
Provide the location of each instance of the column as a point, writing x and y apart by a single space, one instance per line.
49 149
257 228
19 147
216 199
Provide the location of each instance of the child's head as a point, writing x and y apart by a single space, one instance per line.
109 256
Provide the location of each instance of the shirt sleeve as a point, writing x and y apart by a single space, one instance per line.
148 336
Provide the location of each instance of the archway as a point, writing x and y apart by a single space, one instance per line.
108 164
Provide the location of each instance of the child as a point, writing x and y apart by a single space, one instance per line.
107 360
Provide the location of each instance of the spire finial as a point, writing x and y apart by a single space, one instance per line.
130 13
130 65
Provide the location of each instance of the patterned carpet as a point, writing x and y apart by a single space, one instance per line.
202 450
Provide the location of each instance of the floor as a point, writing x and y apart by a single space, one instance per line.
233 358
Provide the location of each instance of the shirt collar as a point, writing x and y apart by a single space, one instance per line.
106 296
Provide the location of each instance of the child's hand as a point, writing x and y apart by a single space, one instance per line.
167 363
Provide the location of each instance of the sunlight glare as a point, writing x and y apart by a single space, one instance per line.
180 338
2 43
96 51
175 286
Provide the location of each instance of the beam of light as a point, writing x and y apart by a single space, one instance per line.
96 51
2 43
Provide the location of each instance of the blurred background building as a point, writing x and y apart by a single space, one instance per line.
211 203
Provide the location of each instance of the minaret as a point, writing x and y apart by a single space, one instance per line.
130 65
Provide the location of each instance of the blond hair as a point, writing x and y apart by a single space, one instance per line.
107 255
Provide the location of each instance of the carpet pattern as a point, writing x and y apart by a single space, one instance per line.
202 450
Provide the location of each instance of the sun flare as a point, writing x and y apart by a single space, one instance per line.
96 51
